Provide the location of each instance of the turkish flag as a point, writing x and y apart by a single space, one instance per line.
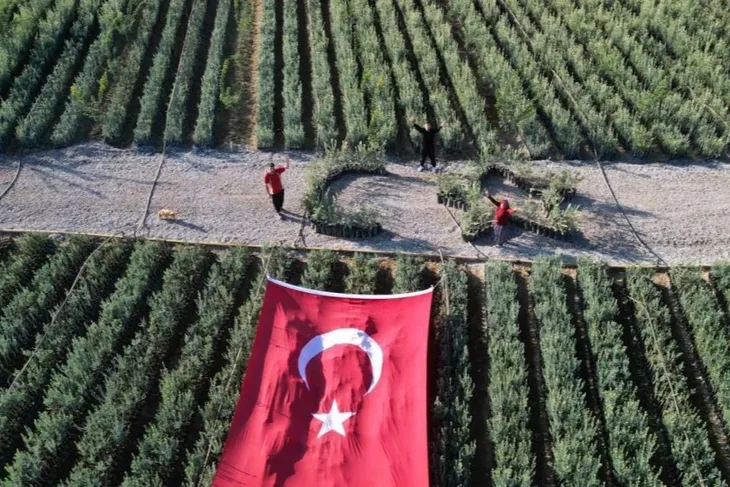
334 393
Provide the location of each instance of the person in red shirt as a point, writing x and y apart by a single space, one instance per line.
501 218
274 188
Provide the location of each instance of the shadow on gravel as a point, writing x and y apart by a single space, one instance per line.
191 226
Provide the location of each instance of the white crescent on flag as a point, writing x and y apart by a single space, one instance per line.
342 336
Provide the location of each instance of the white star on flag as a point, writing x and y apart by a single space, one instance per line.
333 420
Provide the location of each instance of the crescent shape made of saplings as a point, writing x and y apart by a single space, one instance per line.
342 336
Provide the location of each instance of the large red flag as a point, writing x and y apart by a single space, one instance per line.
334 393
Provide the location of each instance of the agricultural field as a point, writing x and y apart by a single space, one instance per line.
561 79
122 361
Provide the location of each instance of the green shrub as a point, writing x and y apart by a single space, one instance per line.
709 326
71 391
631 443
106 433
362 276
211 84
572 427
52 31
19 404
320 173
265 124
127 71
160 450
690 446
454 443
320 270
176 117
324 99
30 254
156 85
508 388
293 128
27 312
408 274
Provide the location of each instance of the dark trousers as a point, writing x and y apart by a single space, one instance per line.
429 152
278 200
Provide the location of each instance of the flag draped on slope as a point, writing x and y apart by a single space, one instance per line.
334 393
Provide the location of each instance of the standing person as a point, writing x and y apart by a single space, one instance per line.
274 188
428 144
501 217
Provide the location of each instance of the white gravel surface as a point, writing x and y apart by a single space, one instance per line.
682 211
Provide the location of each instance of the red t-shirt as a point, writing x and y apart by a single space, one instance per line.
274 180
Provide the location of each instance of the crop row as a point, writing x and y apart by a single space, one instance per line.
265 125
151 111
376 82
19 403
143 390
319 273
107 431
51 35
572 426
508 387
293 128
69 396
210 84
568 134
30 253
127 71
90 84
672 119
17 36
159 450
720 276
683 47
32 130
453 135
581 99
689 442
615 101
353 100
27 312
410 97
408 274
632 445
460 75
707 322
517 113
176 118
323 96
455 443
362 276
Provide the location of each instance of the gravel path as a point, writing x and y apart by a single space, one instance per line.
681 211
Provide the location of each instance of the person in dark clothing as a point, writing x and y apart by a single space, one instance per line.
428 144
501 218
274 188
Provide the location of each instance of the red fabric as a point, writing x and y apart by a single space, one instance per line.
503 213
275 439
274 180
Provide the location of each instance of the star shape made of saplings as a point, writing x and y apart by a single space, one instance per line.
333 421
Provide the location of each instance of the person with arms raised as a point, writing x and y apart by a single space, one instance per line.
428 144
501 217
274 188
